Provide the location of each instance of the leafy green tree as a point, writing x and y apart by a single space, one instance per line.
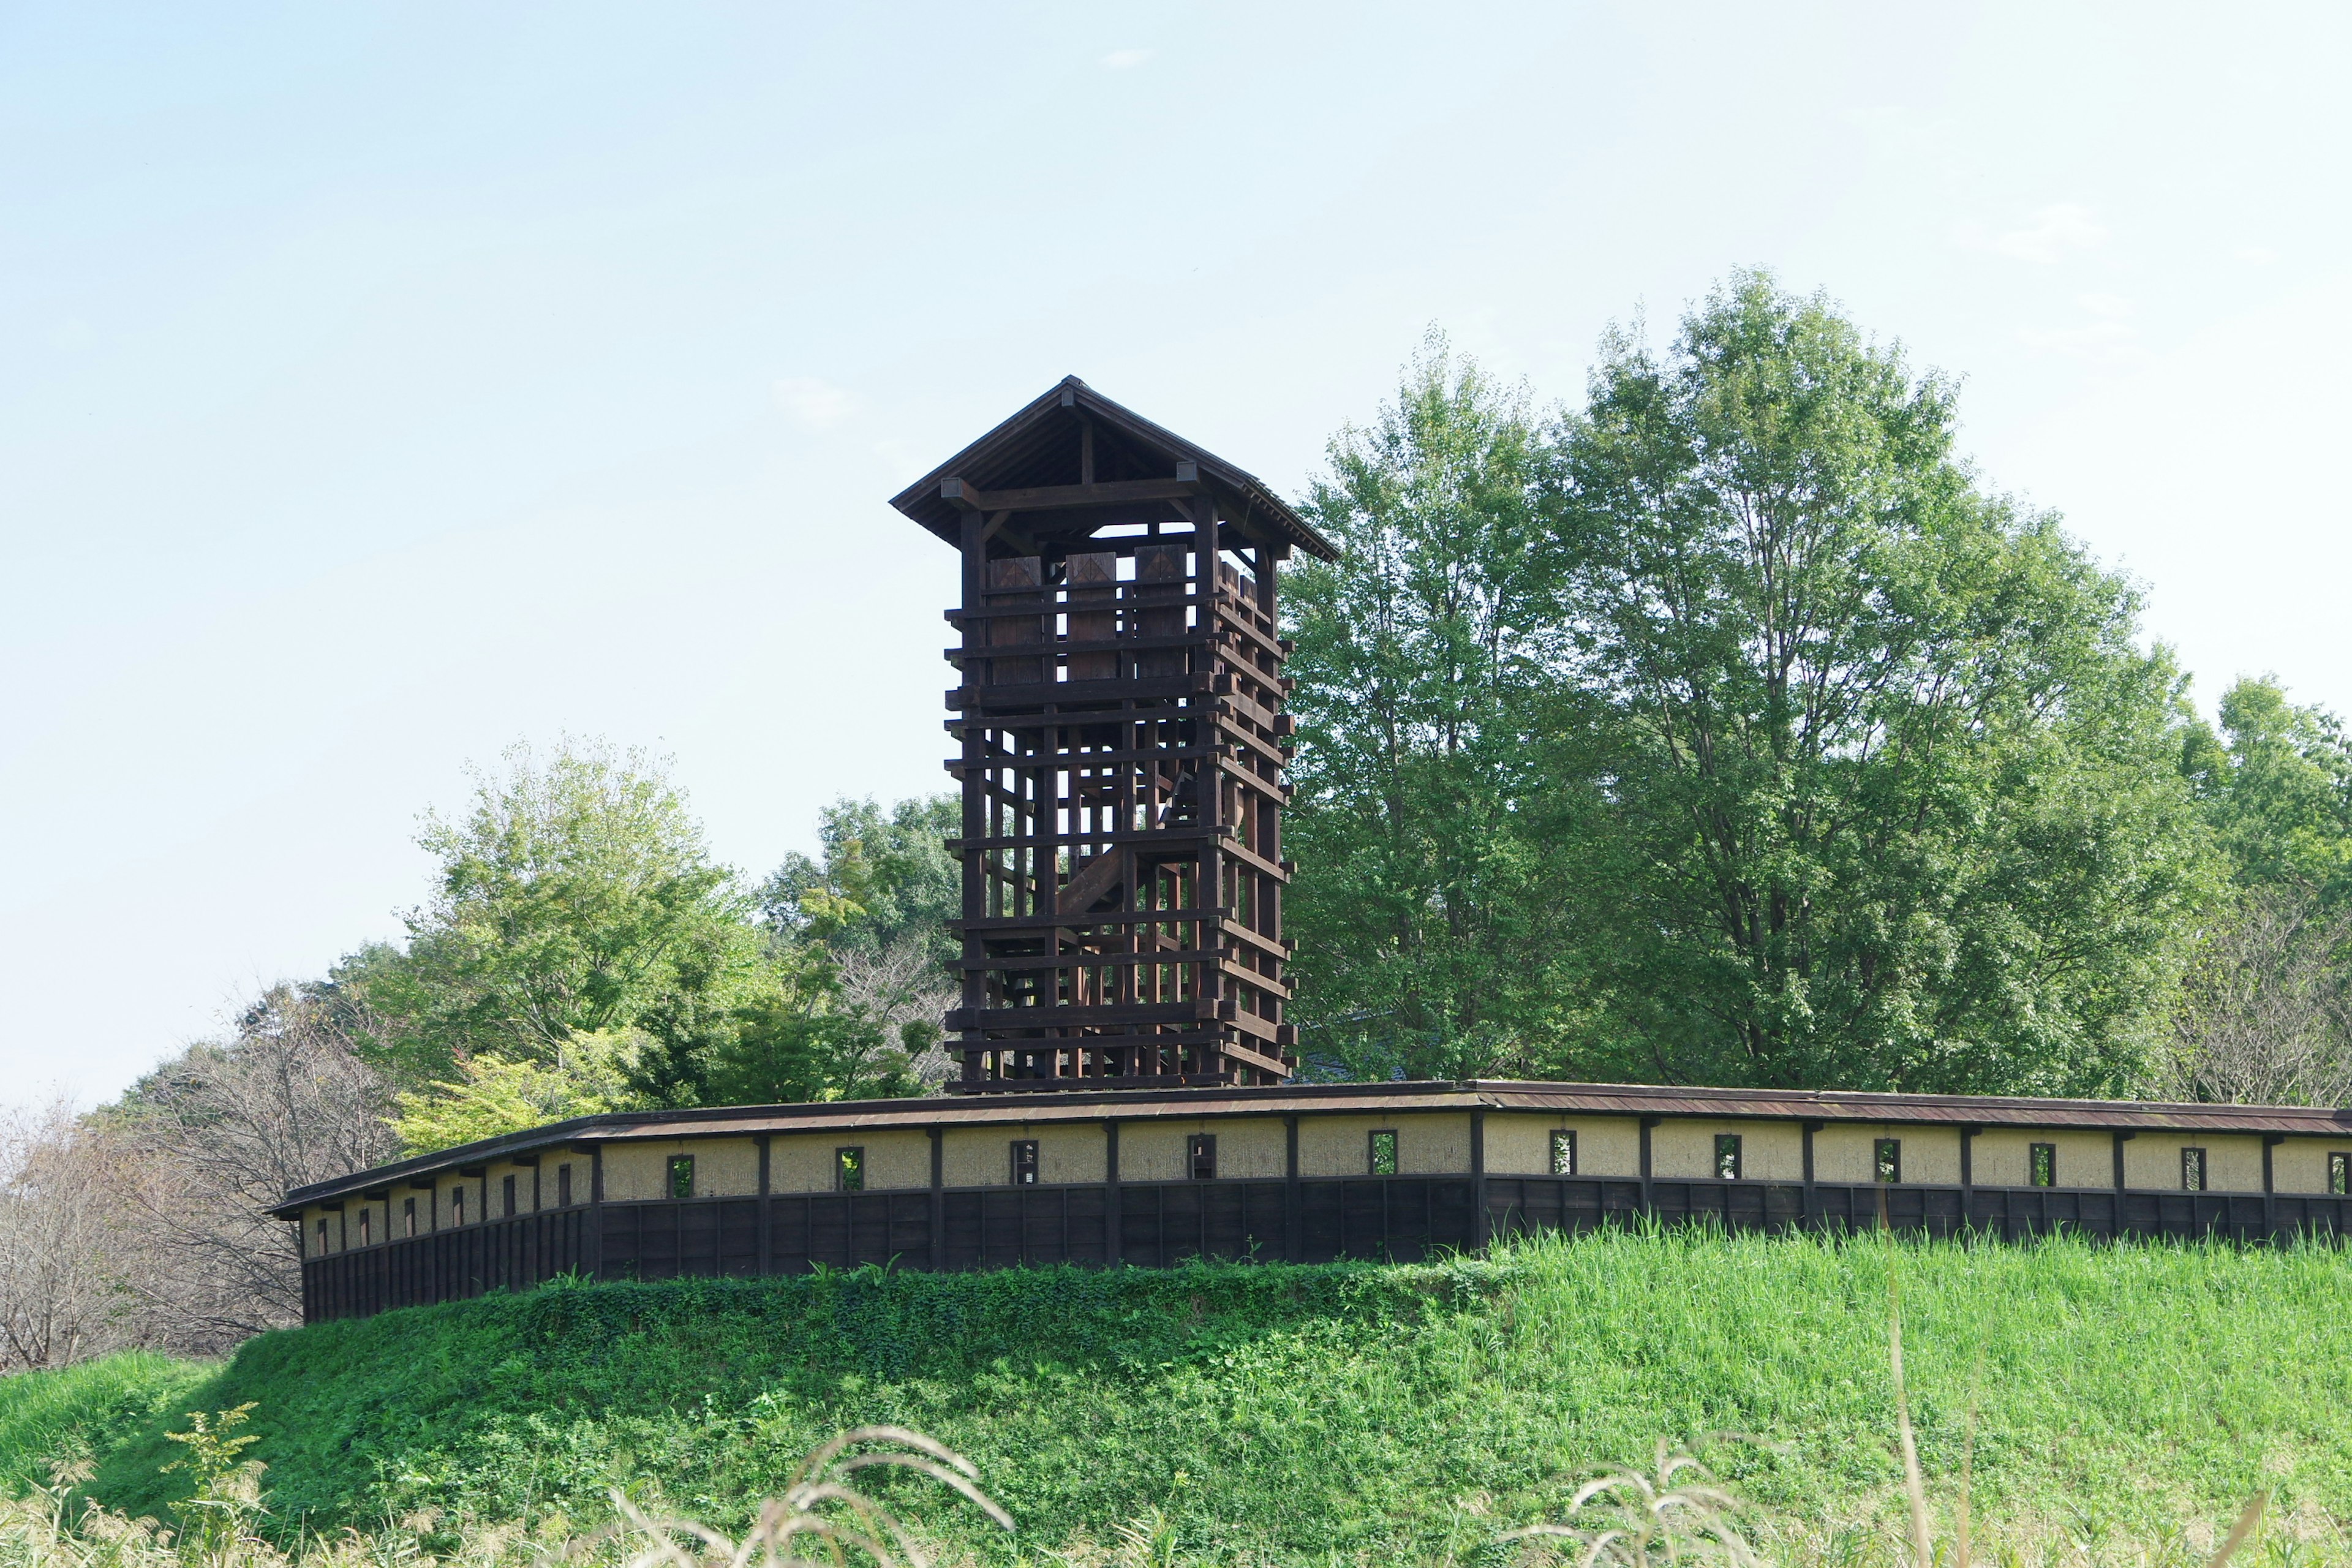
880 879
876 900
491 1095
1887 782
764 1019
1427 942
584 953
2276 785
574 897
2266 1012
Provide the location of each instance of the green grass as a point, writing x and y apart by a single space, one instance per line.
92 1408
1299 1413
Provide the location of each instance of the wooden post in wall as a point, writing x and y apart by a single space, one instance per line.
1812 1216
1113 1219
1968 1172
2269 1192
1294 1218
2121 1139
593 1250
765 1251
939 1206
1481 1226
1649 1206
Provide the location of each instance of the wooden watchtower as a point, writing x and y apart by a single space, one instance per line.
1123 743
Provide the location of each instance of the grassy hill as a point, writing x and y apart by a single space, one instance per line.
1394 1413
94 1408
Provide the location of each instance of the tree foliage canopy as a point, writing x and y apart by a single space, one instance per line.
1428 944
583 952
1757 743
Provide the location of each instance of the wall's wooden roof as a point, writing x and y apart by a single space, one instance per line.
1358 1099
1039 447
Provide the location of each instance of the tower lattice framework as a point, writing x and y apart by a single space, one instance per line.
1122 739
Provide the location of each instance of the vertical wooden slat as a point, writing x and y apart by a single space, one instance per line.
761 1244
2120 1140
1478 1222
1294 1220
938 1202
1114 1242
595 1250
1648 1195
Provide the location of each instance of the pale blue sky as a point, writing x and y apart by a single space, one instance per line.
381 384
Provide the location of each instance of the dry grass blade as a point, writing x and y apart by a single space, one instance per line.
1657 1518
1914 1486
2240 1532
1960 1521
821 1511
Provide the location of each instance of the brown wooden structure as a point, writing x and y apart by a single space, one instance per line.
1304 1172
1122 740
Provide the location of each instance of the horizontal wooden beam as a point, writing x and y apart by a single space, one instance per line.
1200 1010
968 496
998 924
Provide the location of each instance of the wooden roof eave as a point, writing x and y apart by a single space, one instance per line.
1069 1106
1248 503
1854 1106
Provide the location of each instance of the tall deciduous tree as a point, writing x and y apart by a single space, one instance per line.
1428 940
1886 770
878 900
879 879
2267 1013
2276 786
576 897
218 1134
1728 731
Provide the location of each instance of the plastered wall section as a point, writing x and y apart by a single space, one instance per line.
982 1156
1248 1148
1769 1151
895 1160
526 1188
445 1188
1428 1144
2004 1157
551 1178
2233 1164
1520 1144
723 1168
2300 1164
1846 1152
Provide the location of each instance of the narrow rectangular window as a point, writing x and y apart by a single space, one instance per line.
2193 1170
367 1213
563 1186
323 1238
1887 1159
1563 1152
409 1216
1726 1156
2339 1174
457 1205
849 1169
510 1195
1025 1162
2041 1165
681 1175
1201 1154
1383 1153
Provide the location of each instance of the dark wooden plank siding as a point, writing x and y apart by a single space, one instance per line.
1162 1223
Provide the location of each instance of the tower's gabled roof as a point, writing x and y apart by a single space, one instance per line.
1039 447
